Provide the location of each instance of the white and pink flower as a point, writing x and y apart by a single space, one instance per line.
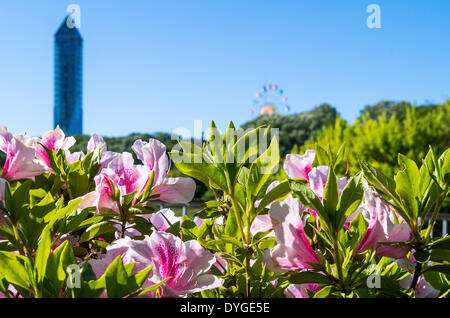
185 264
382 227
293 251
20 156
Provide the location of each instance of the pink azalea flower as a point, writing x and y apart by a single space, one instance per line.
199 221
186 264
54 140
94 142
407 264
12 292
20 156
299 290
220 264
382 227
72 157
293 251
161 219
318 179
124 175
299 166
97 141
104 200
263 222
423 289
171 190
3 184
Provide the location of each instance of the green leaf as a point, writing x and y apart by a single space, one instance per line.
44 206
436 280
440 255
340 154
425 169
321 158
246 147
421 256
231 226
18 202
386 185
350 198
13 270
259 236
119 281
444 162
78 182
267 242
277 193
135 282
61 213
408 185
445 269
231 240
52 159
128 200
331 195
309 199
151 288
148 187
58 261
310 277
96 230
92 288
324 292
116 278
442 243
42 253
199 166
212 204
75 221
357 229
262 168
7 232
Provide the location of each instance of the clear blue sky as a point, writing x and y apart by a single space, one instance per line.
158 65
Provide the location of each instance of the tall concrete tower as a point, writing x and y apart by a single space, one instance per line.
68 109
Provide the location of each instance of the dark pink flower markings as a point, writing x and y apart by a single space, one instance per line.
42 153
299 166
53 140
382 228
120 170
187 267
167 261
293 251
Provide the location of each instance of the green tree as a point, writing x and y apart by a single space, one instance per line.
296 128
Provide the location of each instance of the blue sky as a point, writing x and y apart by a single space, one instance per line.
159 65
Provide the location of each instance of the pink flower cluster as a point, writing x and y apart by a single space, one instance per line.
286 218
120 172
185 265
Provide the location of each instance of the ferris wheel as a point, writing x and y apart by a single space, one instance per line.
269 100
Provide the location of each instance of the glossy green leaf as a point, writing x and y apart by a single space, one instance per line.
42 253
